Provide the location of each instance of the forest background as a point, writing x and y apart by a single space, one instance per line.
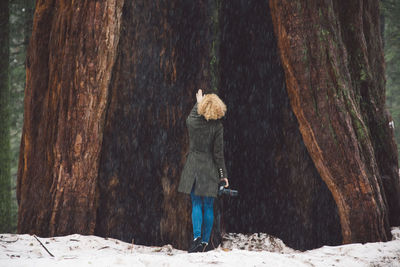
15 29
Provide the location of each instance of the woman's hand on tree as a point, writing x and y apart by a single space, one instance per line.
199 95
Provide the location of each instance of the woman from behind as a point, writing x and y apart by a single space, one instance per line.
204 166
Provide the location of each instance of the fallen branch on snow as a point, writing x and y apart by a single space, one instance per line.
43 245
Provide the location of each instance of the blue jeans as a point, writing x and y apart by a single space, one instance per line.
202 216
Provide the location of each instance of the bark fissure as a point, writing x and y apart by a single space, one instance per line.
265 153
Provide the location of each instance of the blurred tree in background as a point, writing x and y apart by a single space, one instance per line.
391 13
16 24
5 193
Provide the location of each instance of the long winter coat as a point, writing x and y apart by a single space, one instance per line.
205 161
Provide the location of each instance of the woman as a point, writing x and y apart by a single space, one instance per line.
204 165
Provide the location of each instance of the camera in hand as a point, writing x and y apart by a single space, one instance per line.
226 191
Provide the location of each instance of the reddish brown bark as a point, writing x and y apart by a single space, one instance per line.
281 192
71 178
110 83
163 58
366 66
326 101
71 54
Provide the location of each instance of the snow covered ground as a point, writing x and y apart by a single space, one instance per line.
238 250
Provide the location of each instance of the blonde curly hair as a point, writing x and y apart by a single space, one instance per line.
211 107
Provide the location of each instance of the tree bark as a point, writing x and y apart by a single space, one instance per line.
163 59
5 149
29 11
267 160
332 107
364 45
123 184
109 86
71 54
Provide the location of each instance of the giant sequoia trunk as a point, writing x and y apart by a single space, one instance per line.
281 192
72 51
110 83
103 142
163 57
332 56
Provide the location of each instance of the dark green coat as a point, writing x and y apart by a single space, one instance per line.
205 159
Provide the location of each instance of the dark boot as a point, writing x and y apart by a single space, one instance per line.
206 247
195 246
